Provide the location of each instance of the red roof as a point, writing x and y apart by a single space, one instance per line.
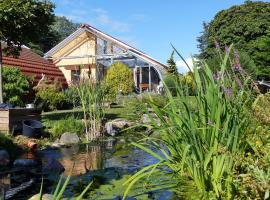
31 64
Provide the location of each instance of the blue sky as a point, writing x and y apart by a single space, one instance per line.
149 25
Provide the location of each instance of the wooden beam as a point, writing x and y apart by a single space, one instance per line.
149 77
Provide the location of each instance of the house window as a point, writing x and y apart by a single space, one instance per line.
75 75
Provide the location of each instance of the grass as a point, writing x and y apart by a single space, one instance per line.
58 122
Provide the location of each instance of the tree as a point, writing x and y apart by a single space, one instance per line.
63 27
118 80
242 25
203 41
21 22
58 31
172 69
15 87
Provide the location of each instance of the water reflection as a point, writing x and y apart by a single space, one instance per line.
84 158
5 182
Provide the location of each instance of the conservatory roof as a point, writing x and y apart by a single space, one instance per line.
87 28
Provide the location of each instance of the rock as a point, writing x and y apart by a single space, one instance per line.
69 138
56 143
53 166
4 158
110 129
122 123
44 197
114 127
24 163
146 119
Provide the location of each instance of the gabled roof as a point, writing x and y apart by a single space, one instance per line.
31 64
102 35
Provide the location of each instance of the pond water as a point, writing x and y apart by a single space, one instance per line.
107 163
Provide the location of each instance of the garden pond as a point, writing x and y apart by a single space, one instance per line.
108 163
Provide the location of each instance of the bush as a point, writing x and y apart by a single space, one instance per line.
49 96
171 82
118 80
72 96
15 86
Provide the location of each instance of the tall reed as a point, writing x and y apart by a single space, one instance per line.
200 144
92 100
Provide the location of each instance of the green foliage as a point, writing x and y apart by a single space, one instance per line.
58 31
24 21
172 69
187 80
63 27
91 100
49 96
201 145
72 96
118 80
189 83
171 82
15 87
203 41
247 27
69 124
261 108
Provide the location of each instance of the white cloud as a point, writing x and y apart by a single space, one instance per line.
103 18
182 67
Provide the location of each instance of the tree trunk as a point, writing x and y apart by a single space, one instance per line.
1 70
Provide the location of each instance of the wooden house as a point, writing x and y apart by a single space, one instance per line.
89 52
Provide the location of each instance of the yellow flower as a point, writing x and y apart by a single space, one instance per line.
258 143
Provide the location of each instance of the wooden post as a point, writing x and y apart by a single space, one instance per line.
140 79
1 70
135 76
149 77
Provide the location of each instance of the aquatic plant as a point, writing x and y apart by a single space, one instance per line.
61 187
92 99
201 144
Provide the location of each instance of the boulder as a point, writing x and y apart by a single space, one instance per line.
146 119
24 163
69 138
114 127
44 197
4 158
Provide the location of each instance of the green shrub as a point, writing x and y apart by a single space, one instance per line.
49 96
118 80
15 86
72 96
70 124
261 108
171 83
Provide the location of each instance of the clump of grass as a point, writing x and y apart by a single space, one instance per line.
92 101
69 124
201 144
